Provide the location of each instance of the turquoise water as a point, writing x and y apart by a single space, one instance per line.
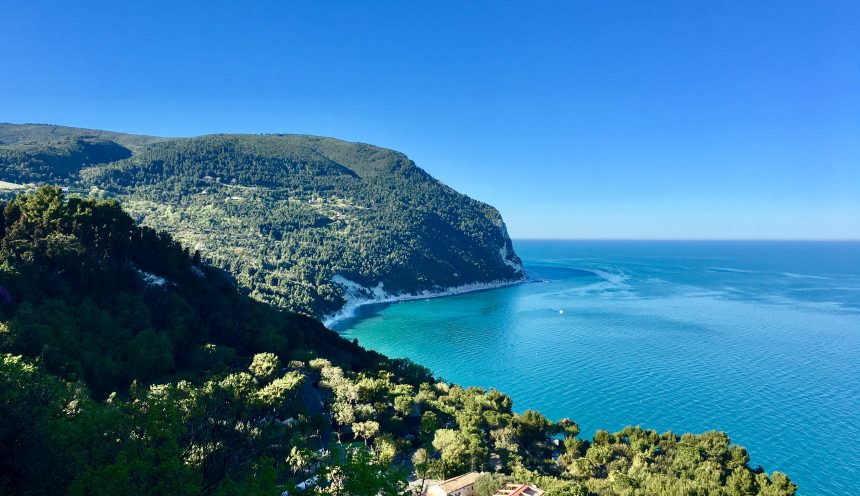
759 339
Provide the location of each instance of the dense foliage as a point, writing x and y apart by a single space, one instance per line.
450 430
285 214
105 301
127 366
56 162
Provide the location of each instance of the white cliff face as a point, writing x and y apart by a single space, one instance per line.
508 256
355 290
507 259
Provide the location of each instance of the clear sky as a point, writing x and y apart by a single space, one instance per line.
577 119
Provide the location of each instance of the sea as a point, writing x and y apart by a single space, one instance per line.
758 339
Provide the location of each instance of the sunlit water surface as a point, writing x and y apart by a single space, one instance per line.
759 339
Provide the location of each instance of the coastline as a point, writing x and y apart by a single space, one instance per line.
353 303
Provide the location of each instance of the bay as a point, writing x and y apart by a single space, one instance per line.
758 339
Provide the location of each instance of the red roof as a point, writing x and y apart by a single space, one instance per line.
519 490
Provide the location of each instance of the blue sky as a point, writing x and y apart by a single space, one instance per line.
577 119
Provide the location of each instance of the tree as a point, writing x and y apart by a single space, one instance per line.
568 427
453 450
358 472
403 404
531 432
264 366
299 459
366 430
34 415
280 390
429 424
488 484
777 485
422 464
740 483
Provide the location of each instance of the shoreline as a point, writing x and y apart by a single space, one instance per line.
353 304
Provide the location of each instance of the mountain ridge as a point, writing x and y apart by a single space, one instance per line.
285 213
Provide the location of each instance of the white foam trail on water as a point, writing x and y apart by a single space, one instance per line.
731 269
802 276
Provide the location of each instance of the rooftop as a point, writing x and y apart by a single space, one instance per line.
459 482
519 490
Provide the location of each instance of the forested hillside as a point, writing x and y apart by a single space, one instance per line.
296 219
129 366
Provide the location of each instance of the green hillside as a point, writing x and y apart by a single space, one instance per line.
94 311
128 366
302 222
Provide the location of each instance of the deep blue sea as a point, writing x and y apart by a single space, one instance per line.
759 339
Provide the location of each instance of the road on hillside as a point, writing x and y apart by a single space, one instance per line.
313 400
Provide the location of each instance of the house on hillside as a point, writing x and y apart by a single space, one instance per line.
519 490
462 485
